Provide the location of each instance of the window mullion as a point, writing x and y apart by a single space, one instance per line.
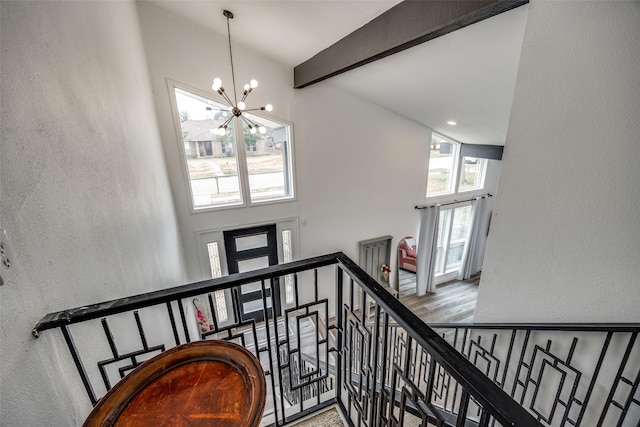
456 172
243 169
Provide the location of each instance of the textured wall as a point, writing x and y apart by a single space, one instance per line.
565 236
85 195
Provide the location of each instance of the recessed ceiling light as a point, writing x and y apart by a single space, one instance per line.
451 122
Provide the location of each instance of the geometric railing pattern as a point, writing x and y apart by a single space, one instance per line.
564 374
108 340
341 339
396 371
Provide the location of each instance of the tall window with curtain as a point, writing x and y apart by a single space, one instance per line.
456 175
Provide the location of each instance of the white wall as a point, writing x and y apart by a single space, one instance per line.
360 169
85 195
565 237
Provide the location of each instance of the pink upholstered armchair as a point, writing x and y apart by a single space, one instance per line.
407 254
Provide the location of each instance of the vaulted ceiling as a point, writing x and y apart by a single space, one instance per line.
467 76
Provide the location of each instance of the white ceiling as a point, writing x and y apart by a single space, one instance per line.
288 31
467 76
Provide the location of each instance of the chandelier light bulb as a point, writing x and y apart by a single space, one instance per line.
234 104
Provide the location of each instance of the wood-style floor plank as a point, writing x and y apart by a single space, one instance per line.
452 302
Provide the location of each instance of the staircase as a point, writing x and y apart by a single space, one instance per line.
379 367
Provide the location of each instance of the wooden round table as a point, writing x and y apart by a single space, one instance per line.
204 383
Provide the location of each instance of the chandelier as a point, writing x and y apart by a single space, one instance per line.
237 107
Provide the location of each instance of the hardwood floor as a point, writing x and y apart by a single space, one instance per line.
453 302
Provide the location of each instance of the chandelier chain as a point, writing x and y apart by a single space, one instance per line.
233 75
237 108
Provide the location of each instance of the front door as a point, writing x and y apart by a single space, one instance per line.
250 249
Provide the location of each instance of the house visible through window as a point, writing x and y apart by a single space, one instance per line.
219 173
269 164
449 173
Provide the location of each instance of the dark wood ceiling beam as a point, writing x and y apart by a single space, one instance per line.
403 26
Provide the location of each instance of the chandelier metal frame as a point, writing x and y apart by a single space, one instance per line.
237 107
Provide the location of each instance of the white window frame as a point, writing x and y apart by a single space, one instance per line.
240 152
481 177
445 275
219 297
456 170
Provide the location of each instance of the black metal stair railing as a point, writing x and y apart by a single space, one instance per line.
107 340
564 374
343 340
396 370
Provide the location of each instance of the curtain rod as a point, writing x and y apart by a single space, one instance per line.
454 202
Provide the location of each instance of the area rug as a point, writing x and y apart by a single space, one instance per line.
329 418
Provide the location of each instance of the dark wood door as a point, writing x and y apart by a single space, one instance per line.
249 249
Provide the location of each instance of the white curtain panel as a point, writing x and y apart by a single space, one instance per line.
469 263
427 250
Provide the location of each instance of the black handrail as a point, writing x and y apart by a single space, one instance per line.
121 305
500 404
516 355
473 382
565 327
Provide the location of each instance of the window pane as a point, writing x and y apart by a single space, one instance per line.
211 159
268 159
287 253
441 166
253 264
472 173
458 237
216 271
244 243
214 260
